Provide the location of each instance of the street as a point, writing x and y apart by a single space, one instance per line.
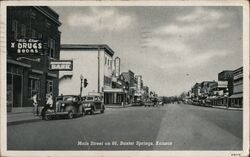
169 127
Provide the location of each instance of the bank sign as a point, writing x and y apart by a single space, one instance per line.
62 65
28 46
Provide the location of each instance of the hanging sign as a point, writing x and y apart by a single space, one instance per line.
27 46
62 65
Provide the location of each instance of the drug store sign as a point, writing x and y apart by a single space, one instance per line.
28 46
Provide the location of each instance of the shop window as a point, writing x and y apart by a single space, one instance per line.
34 86
23 30
14 28
49 86
33 33
52 48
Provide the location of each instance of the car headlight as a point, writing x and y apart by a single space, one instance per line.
63 105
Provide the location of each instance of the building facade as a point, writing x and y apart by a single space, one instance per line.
227 75
27 73
94 63
236 99
130 78
118 92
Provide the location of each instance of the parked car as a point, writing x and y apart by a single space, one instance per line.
93 104
69 106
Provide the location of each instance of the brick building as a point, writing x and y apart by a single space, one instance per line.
27 73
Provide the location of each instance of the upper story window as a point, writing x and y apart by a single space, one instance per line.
23 30
14 28
33 15
40 35
33 33
48 24
51 48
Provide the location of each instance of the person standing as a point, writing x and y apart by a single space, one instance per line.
49 105
35 104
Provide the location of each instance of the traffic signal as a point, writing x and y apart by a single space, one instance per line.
85 83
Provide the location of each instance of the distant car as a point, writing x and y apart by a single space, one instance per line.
93 104
151 102
66 105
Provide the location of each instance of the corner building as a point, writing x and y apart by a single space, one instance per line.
27 74
94 63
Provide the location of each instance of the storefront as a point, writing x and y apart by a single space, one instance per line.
33 41
115 97
236 100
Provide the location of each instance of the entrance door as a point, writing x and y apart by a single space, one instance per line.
17 91
9 93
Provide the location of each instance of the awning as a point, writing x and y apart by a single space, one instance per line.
240 95
52 74
114 90
18 63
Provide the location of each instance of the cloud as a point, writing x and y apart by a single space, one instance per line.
176 43
174 29
197 22
100 19
201 15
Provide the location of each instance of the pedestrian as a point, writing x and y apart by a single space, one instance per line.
49 104
35 104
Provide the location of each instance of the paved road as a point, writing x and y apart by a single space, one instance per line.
174 126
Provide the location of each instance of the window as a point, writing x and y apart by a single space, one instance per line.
49 86
14 28
40 36
52 48
105 60
23 30
34 86
33 33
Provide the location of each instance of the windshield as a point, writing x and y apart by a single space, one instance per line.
69 98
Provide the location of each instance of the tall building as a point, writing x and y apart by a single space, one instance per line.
29 29
94 63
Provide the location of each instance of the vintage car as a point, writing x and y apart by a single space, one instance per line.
93 104
65 106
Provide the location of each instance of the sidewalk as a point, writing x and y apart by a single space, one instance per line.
27 117
21 117
117 106
229 108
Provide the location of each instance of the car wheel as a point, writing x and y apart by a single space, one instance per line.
91 112
48 117
70 115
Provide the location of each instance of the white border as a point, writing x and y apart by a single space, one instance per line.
3 136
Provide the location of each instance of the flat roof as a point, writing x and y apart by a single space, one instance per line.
87 46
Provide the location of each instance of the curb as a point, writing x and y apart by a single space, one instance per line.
224 108
23 121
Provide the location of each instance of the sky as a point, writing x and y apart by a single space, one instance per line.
172 47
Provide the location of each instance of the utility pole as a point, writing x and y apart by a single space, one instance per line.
81 77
